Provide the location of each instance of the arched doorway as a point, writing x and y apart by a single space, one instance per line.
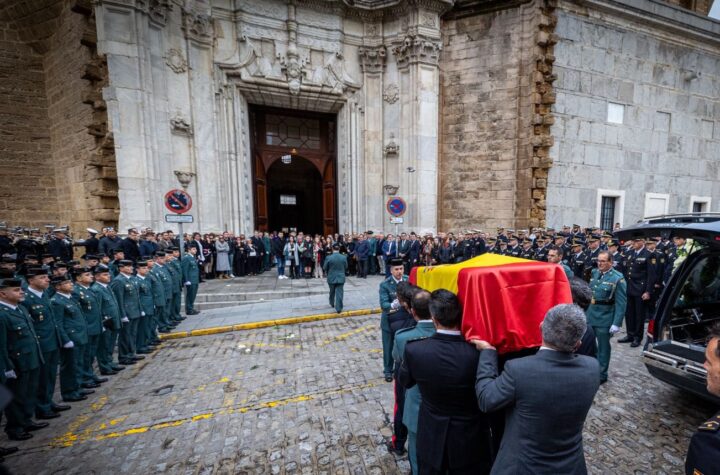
295 198
307 179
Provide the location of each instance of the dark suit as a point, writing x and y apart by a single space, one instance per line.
541 436
452 434
640 278
130 248
335 266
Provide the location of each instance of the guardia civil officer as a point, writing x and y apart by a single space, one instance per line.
607 307
91 309
163 310
389 305
147 306
640 284
70 317
191 279
335 267
128 297
22 359
110 311
52 338
704 451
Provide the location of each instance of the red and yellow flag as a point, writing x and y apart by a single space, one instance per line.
504 298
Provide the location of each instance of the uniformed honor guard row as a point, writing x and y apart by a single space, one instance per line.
71 324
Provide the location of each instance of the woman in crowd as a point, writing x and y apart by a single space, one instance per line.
318 255
222 258
292 257
428 251
253 258
306 256
208 250
240 257
445 252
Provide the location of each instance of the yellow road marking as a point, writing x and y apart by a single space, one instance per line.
68 440
345 336
268 323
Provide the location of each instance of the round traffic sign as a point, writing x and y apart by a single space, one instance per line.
178 201
396 206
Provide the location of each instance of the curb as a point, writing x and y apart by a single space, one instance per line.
268 323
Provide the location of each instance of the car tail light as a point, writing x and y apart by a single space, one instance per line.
651 328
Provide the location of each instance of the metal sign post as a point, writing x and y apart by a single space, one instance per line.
397 207
179 202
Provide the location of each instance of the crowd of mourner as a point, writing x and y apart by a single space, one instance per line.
74 321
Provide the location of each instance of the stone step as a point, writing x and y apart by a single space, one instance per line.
240 296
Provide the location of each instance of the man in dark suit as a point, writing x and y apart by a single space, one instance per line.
542 436
452 434
130 246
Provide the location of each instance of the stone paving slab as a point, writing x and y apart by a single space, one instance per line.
359 294
310 399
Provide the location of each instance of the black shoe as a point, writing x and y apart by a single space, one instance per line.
603 381
101 380
164 330
635 344
138 357
388 378
185 318
74 398
156 342
46 415
7 451
33 426
395 451
60 407
85 392
127 362
21 435
627 339
117 368
193 312
144 352
89 385
108 373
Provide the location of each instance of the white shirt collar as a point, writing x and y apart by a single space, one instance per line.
140 276
396 281
449 332
547 348
12 307
100 283
38 293
67 296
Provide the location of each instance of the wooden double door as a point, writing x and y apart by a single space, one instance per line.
294 170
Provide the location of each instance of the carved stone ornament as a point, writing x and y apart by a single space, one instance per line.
159 11
416 49
180 125
175 59
294 68
392 149
184 177
391 189
428 20
391 94
372 58
198 27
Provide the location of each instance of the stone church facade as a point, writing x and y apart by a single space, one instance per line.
313 113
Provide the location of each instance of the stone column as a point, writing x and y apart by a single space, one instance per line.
417 59
372 61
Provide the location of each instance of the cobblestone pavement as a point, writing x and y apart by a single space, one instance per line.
309 399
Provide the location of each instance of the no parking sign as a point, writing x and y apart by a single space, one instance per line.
396 206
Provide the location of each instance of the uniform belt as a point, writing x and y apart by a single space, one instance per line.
602 302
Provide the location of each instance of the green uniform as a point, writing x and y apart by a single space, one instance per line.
191 281
70 317
162 308
110 311
568 271
423 329
607 308
52 337
147 309
90 305
128 297
335 266
388 293
158 292
175 271
24 357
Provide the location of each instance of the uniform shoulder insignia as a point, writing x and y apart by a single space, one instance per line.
711 425
653 260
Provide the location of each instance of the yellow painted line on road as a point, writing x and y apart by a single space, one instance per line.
268 323
70 439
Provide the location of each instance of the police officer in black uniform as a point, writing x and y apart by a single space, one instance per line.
577 258
640 284
591 255
703 457
618 258
514 248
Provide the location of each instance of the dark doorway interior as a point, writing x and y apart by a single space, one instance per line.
295 196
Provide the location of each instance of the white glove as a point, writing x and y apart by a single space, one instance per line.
188 283
125 320
395 304
614 329
10 374
142 314
69 345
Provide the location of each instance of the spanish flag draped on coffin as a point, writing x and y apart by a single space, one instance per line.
504 298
